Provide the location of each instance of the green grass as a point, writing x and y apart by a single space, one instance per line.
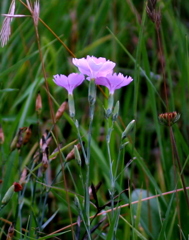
52 201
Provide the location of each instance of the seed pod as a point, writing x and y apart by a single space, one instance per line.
10 232
8 195
63 107
2 137
45 161
38 103
27 134
20 137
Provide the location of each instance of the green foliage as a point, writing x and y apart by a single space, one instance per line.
143 162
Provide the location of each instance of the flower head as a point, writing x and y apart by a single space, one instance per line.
169 118
94 67
113 81
69 82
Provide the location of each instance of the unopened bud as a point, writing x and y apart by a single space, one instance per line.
169 119
2 137
38 103
128 129
63 107
8 195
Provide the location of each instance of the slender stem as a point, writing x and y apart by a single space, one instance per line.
176 155
112 180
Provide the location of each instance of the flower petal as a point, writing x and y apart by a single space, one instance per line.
94 67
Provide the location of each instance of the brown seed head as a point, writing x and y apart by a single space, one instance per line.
152 13
27 134
169 119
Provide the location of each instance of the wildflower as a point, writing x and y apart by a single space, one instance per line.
6 29
69 82
169 118
113 81
94 67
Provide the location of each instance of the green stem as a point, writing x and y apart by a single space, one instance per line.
175 153
112 180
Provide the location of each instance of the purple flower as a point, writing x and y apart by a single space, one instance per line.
113 81
69 82
94 67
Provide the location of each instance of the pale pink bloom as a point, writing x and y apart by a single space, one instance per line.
113 81
6 29
94 67
69 82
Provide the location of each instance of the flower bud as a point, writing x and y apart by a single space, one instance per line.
128 129
2 137
38 103
169 119
8 195
63 107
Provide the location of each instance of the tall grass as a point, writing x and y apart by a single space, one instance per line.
149 201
